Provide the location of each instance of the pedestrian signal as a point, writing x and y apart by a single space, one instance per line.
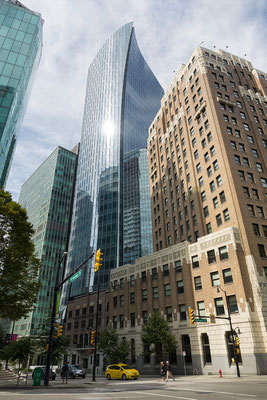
92 339
192 316
98 259
212 319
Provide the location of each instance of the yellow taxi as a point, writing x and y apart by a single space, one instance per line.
121 371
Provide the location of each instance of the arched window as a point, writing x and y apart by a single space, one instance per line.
231 347
146 354
132 351
86 339
81 340
206 349
186 347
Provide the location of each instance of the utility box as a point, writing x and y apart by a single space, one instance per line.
37 377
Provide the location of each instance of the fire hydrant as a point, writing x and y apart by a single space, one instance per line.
220 373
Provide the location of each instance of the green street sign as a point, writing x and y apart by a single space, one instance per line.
77 275
200 320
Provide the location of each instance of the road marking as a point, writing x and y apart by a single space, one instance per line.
211 391
165 395
121 395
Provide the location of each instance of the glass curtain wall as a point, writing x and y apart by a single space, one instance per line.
122 97
20 52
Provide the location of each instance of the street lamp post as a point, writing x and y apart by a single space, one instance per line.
231 329
54 307
96 333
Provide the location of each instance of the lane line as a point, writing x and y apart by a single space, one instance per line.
121 395
165 395
212 391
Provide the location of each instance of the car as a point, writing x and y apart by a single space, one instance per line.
121 371
76 371
52 374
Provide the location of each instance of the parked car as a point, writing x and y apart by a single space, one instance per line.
52 374
76 371
121 371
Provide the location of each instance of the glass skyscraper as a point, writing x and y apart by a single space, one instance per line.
20 52
122 98
48 196
137 224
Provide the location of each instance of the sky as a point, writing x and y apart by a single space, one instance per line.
167 32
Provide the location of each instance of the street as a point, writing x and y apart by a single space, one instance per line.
189 388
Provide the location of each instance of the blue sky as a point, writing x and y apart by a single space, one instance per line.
167 32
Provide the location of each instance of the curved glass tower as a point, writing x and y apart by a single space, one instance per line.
122 98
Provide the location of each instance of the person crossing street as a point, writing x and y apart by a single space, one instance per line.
169 371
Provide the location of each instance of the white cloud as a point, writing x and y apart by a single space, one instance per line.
167 32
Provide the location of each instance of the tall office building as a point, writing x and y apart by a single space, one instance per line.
122 97
48 196
21 44
207 159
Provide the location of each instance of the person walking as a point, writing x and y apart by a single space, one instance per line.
162 371
64 372
169 371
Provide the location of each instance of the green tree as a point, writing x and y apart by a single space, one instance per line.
114 350
59 348
157 337
19 268
19 351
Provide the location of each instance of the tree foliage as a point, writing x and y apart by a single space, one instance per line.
19 268
20 350
114 350
157 337
59 347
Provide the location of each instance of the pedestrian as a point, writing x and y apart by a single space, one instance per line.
64 372
162 371
169 371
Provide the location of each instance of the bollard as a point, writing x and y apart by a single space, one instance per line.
220 373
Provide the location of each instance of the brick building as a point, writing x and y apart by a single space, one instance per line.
207 157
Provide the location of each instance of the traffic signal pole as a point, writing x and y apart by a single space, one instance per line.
52 324
54 307
96 333
97 265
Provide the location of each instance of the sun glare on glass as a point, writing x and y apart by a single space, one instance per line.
108 128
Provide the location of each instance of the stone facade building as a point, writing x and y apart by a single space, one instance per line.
171 280
207 157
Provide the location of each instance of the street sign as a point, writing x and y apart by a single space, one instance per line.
200 320
77 275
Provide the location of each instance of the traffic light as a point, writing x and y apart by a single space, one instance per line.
59 330
92 338
98 259
237 341
192 316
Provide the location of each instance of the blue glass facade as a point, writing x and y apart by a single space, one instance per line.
122 98
20 51
137 223
47 196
